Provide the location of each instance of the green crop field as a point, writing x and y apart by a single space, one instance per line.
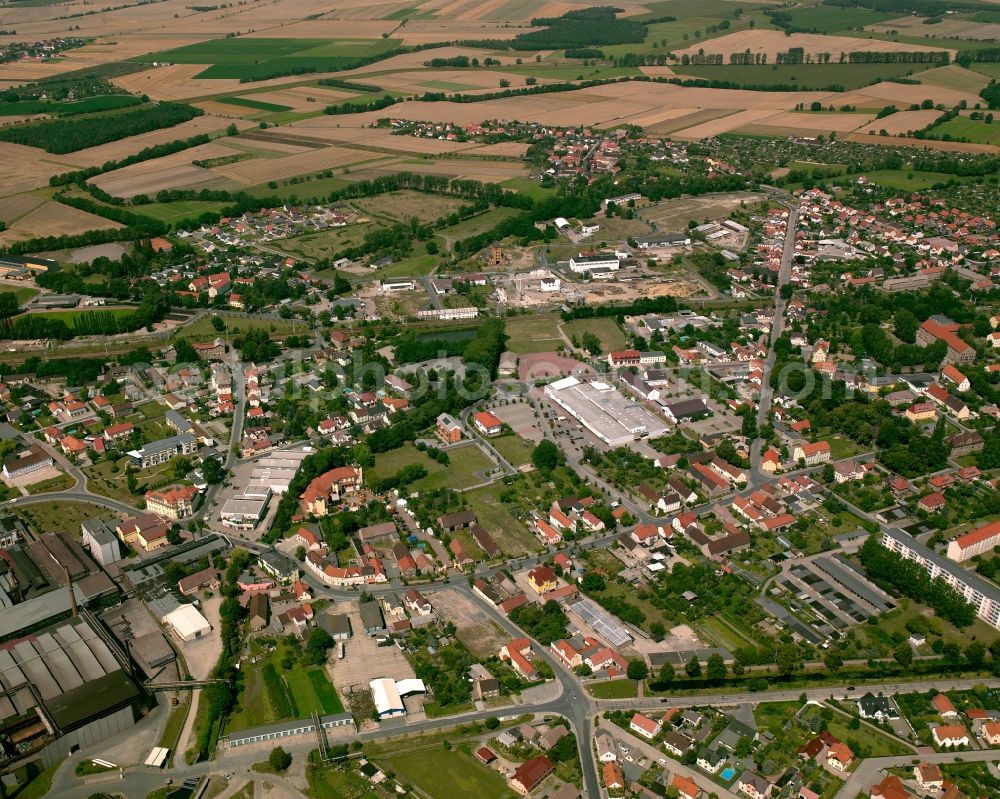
181 209
257 105
973 130
59 109
244 58
803 76
831 19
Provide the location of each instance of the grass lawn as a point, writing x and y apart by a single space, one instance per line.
878 745
509 533
530 334
514 449
532 188
108 478
462 471
605 329
39 785
841 447
257 59
442 774
614 689
181 209
58 483
476 225
202 330
830 19
312 691
773 716
906 180
21 293
174 725
418 265
332 783
65 518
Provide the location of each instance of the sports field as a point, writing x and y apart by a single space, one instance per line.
244 58
532 334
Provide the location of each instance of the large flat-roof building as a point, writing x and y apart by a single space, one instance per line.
604 411
165 449
64 687
978 592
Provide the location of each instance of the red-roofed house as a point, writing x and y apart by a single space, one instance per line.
487 424
975 543
812 453
646 727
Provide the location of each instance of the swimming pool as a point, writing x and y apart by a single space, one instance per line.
728 774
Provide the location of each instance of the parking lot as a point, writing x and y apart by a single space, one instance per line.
364 660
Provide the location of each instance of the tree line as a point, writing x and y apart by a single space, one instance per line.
902 576
67 136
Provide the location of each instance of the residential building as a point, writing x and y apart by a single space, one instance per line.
976 542
448 428
175 502
753 785
950 735
542 579
879 708
646 727
330 488
165 449
978 592
25 462
812 453
530 774
487 424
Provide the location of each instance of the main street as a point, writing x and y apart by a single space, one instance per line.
757 476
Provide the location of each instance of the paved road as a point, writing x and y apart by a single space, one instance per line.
757 476
872 770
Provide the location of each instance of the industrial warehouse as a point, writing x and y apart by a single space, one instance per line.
64 687
604 411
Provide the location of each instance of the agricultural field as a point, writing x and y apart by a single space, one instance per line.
247 59
68 108
52 218
256 105
833 19
974 130
817 77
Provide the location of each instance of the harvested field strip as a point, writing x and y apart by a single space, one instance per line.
263 170
926 144
283 138
54 219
